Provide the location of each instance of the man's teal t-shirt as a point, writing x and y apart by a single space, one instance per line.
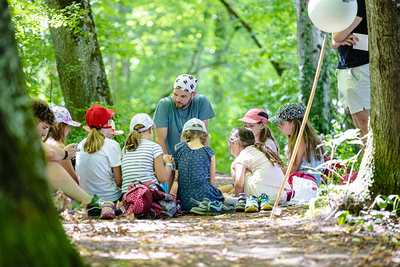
167 115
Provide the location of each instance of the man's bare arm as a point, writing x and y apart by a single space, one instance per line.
161 137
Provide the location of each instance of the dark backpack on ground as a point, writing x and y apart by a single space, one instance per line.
166 201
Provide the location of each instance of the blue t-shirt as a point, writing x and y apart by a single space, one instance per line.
167 115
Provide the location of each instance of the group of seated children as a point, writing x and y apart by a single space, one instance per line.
106 171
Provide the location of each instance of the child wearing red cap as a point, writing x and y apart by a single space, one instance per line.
99 157
256 121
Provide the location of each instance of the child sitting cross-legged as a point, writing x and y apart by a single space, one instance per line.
196 172
256 172
142 159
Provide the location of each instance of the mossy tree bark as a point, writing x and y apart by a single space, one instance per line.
79 62
309 40
384 43
30 232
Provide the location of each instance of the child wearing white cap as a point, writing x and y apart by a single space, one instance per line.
196 164
57 135
142 159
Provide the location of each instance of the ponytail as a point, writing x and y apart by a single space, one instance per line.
246 138
133 140
94 141
269 153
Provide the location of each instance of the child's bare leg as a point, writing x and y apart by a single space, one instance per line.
226 188
59 179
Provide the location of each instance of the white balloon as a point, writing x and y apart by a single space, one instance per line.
332 15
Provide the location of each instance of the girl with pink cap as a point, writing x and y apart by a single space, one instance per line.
256 121
99 157
57 135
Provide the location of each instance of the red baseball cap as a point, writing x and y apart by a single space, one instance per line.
255 115
98 116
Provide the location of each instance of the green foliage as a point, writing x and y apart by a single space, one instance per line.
32 20
387 214
146 45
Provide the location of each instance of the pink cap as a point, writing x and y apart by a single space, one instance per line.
255 115
62 115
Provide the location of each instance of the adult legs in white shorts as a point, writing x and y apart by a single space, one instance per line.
355 94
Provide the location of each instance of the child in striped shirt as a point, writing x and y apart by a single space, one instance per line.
142 159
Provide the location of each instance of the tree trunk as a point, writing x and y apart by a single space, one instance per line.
309 40
384 42
79 62
31 234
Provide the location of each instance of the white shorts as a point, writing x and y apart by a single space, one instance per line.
354 88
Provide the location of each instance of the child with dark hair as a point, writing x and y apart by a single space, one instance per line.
256 172
58 177
43 116
308 156
196 166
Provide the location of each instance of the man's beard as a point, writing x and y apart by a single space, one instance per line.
184 106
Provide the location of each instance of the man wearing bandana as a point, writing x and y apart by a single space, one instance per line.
174 111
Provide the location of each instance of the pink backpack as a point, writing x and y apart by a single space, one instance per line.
139 200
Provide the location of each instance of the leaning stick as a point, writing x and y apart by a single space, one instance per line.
296 147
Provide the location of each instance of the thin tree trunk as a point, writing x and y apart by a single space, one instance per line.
79 62
309 39
31 234
384 42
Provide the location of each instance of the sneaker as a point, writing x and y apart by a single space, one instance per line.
207 207
264 203
226 208
241 204
107 211
120 209
251 204
94 207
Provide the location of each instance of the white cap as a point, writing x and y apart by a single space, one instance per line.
194 124
186 82
143 119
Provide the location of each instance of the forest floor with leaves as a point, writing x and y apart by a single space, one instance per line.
241 239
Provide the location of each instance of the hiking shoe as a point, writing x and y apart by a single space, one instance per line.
264 203
107 211
226 208
206 207
94 207
120 209
251 204
241 204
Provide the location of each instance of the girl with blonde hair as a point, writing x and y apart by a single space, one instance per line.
99 157
142 159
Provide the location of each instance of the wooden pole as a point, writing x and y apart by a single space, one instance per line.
296 147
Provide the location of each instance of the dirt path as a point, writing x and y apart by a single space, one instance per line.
232 240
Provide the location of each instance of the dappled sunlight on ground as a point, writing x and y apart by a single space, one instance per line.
242 239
